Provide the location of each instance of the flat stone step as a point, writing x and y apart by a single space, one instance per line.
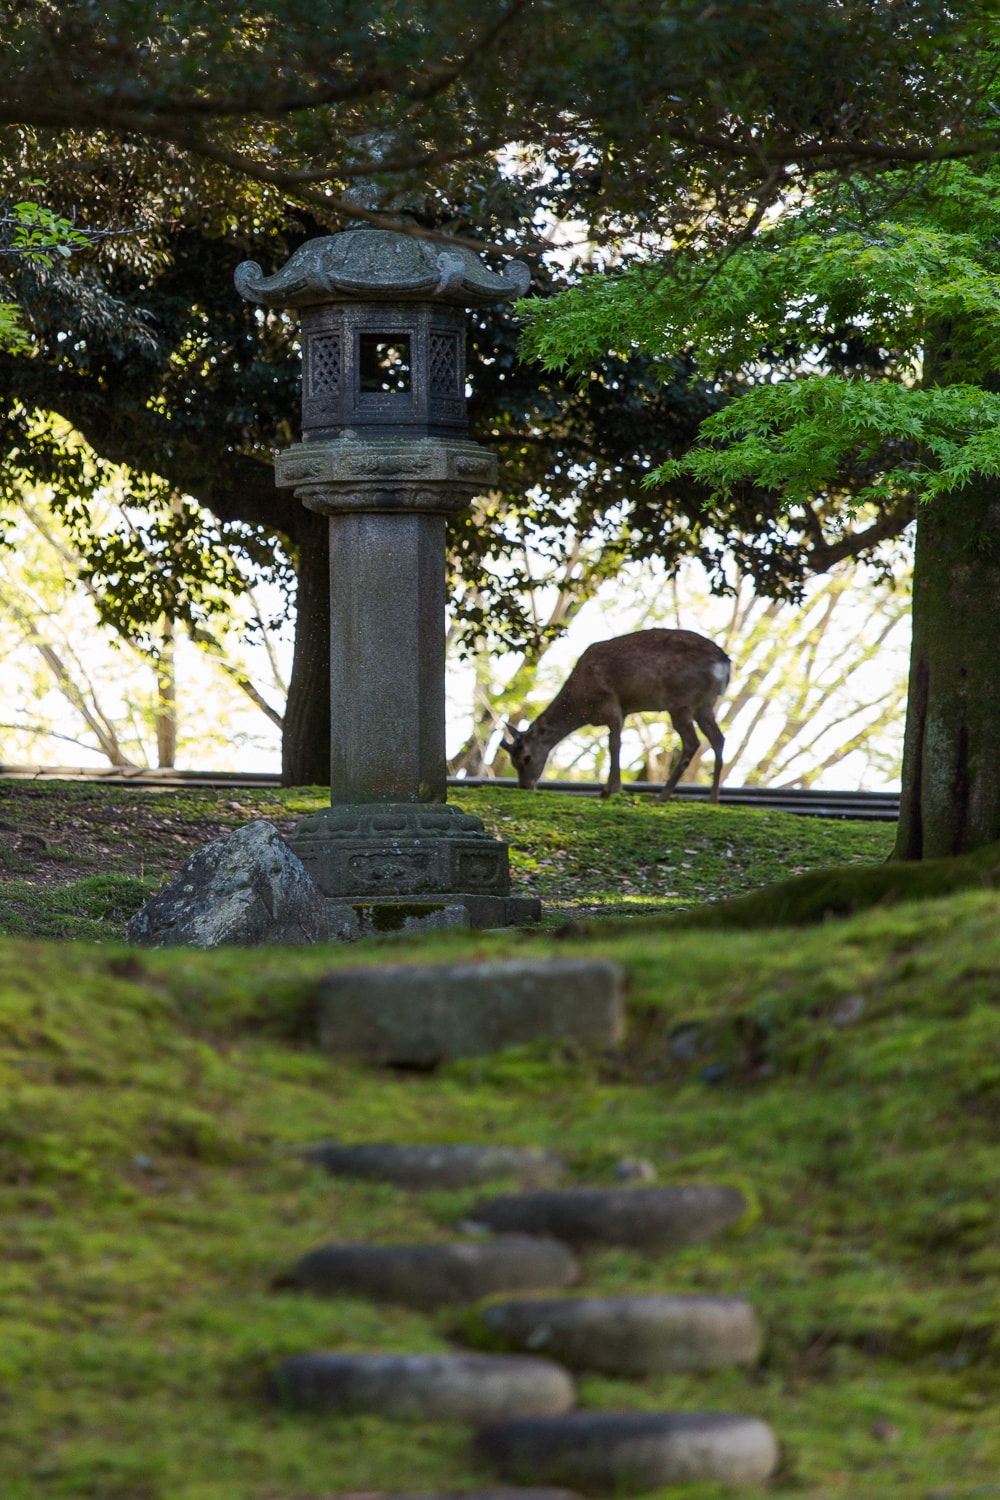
494 1494
428 1276
439 1166
473 1388
624 1335
422 1014
649 1218
621 1452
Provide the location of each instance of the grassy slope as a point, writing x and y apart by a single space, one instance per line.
149 1190
106 848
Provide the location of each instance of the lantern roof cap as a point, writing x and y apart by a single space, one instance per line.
381 265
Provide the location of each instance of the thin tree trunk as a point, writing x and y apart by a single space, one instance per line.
166 700
951 770
305 751
471 758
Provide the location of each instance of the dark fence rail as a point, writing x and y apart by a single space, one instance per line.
880 806
873 806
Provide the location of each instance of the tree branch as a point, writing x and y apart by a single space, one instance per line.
891 523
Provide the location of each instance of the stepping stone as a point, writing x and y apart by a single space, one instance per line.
427 1276
655 1218
504 1494
422 1014
621 1452
425 1387
439 1166
624 1335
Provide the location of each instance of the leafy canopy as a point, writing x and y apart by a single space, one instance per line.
231 131
30 232
640 113
866 324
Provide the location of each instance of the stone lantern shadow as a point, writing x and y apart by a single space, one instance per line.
385 454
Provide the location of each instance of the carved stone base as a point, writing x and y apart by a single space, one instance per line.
385 915
401 850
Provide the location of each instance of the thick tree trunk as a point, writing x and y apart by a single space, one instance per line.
951 766
305 745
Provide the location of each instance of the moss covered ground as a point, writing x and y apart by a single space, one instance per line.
845 1075
77 859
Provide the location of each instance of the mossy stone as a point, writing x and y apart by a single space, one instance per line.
646 1218
428 1276
424 1387
625 1335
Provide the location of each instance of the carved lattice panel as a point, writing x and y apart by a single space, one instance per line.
444 365
324 364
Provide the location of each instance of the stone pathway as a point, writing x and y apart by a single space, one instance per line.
490 1494
419 1015
521 1399
426 1387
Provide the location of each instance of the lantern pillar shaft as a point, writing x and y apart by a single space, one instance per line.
387 659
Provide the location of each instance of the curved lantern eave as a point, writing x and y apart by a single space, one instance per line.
381 265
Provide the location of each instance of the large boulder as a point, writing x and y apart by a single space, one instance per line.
246 889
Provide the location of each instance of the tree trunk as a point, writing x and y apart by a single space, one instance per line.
951 769
305 745
166 700
472 757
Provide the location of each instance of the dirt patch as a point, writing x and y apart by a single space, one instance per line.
59 832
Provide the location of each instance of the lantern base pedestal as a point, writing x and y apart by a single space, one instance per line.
387 867
381 916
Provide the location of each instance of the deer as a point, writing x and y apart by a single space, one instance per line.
677 671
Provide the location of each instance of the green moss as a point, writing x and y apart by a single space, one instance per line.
630 852
843 892
151 1191
151 1188
93 909
624 854
391 916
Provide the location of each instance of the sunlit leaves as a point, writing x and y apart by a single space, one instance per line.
834 315
797 436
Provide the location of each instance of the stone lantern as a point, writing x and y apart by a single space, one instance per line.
385 454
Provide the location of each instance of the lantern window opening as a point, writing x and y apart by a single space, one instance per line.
384 364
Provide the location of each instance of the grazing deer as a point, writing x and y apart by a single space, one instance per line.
672 670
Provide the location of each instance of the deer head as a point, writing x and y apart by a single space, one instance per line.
527 754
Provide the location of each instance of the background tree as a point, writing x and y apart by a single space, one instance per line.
908 271
648 114
70 679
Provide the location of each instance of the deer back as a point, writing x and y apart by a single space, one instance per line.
671 670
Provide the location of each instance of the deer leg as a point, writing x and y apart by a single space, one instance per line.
684 725
615 757
710 729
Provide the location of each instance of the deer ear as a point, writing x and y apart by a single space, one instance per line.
510 744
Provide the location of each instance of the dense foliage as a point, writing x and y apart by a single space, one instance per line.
639 111
211 136
831 314
863 321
